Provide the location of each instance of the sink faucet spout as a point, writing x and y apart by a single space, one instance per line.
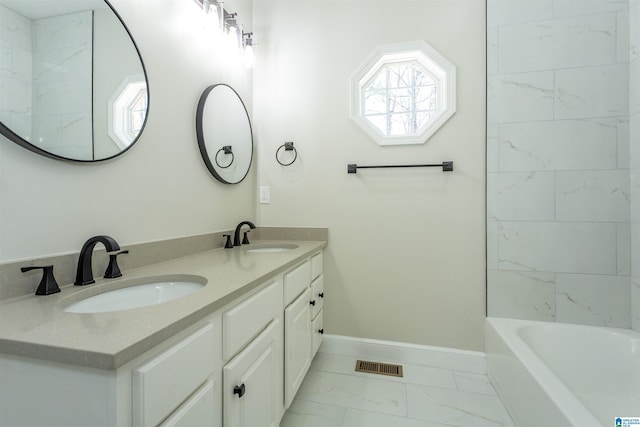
236 236
84 273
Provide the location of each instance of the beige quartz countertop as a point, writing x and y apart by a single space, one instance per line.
37 327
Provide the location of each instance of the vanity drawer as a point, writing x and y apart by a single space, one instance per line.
163 383
247 319
295 281
317 295
316 265
318 332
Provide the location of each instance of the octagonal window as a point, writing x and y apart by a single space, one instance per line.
403 93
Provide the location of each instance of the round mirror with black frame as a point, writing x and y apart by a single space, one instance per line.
73 85
224 134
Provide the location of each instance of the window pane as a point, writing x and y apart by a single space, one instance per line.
400 76
379 121
401 124
426 98
400 100
375 103
379 81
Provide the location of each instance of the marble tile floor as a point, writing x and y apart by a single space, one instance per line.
333 395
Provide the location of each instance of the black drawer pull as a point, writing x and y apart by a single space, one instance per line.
239 390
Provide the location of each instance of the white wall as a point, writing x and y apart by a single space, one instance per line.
558 161
159 189
406 251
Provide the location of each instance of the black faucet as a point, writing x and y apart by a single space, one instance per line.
236 236
84 274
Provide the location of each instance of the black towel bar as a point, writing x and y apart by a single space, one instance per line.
446 167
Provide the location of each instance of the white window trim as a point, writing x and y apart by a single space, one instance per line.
118 112
430 59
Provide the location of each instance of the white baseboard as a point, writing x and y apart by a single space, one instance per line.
413 354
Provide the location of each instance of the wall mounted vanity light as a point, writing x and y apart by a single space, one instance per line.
229 25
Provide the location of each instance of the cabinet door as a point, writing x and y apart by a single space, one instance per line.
253 382
317 327
297 340
199 410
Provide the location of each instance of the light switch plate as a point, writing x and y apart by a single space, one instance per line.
265 195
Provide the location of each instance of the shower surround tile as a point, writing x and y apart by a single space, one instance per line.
594 300
592 92
585 7
505 12
522 295
551 145
558 246
624 249
521 196
591 196
525 97
559 43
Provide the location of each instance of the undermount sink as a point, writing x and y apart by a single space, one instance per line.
136 296
271 247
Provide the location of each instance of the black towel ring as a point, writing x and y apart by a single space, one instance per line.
227 150
288 146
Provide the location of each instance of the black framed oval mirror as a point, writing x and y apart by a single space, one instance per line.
224 134
72 82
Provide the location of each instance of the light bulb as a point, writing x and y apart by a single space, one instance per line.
249 58
232 37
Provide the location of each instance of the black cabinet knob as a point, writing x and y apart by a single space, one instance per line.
239 390
321 294
321 331
312 302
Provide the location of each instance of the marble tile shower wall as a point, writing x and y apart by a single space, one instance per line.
15 71
62 104
558 186
634 148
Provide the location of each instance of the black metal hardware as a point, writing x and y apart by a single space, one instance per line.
321 331
227 244
226 150
245 240
84 273
113 270
236 236
321 294
312 302
288 146
239 390
48 284
446 167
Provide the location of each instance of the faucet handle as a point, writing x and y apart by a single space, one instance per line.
48 284
113 270
227 244
245 239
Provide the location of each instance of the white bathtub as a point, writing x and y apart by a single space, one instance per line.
556 374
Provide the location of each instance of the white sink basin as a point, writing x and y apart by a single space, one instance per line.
275 247
135 297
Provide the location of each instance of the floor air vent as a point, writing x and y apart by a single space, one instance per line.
378 368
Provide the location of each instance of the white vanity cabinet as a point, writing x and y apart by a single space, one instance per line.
253 354
240 366
162 384
302 315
